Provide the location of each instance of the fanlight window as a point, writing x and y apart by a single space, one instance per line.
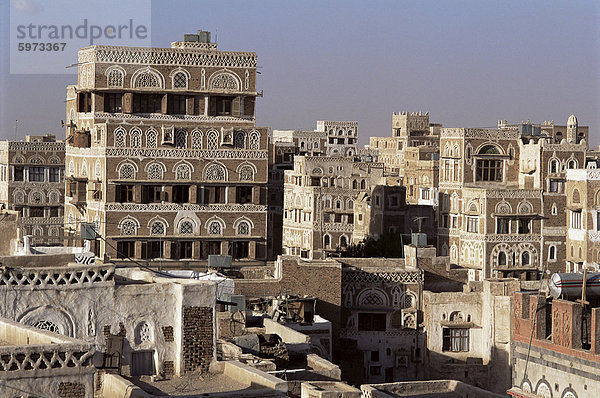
215 172
196 139
181 139
128 227
240 140
155 172
254 139
127 172
36 197
214 228
46 325
19 197
120 137
157 228
115 78
186 227
212 140
179 80
243 228
151 138
183 172
147 80
246 173
373 299
136 138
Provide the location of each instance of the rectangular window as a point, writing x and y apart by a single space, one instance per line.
372 322
524 226
124 193
113 102
36 212
472 224
553 186
502 226
240 249
213 247
393 201
54 212
489 170
125 249
36 173
152 194
176 104
147 103
455 340
181 193
425 194
152 249
224 106
576 219
454 221
182 249
19 174
243 194
54 174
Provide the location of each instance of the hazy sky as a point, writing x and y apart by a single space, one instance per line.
469 63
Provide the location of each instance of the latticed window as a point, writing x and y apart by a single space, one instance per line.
127 172
254 140
19 197
151 138
115 78
53 231
186 227
181 139
197 139
147 79
37 231
408 301
215 228
225 81
98 171
212 140
136 138
36 160
36 197
240 140
120 135
215 172
246 173
46 325
128 227
372 299
179 80
143 333
54 197
157 228
183 172
243 228
83 170
155 172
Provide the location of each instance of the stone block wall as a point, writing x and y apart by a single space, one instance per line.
197 338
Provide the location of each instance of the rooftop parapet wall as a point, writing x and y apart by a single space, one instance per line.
167 56
56 277
479 133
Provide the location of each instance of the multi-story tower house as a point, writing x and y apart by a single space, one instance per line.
32 182
163 154
583 218
342 137
501 198
319 195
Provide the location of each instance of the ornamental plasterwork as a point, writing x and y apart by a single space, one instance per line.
336 227
167 56
379 277
160 116
36 146
174 207
172 153
513 193
512 238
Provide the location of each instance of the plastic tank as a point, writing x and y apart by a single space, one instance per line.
569 286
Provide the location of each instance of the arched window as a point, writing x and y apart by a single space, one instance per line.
576 198
155 172
254 139
525 258
488 167
19 196
120 137
54 197
147 80
363 184
212 140
136 137
240 140
180 80
151 138
143 333
128 227
183 172
354 184
572 164
181 139
215 228
98 170
114 78
243 228
246 173
554 166
197 139
552 253
127 172
46 325
343 241
186 227
501 258
157 228
215 172
326 241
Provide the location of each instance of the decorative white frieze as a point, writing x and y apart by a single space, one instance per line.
176 153
174 207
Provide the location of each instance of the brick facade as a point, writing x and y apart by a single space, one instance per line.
71 390
197 338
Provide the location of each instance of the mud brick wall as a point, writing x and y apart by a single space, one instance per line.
71 390
168 333
168 369
197 338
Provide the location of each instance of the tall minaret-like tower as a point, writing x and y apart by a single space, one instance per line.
572 130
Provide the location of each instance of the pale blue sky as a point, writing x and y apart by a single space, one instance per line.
469 63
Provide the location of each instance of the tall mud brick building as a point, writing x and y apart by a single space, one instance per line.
163 155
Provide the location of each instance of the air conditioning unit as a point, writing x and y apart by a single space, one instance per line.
219 261
88 231
168 135
238 299
226 136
